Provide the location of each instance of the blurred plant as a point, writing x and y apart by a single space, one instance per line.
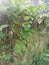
24 37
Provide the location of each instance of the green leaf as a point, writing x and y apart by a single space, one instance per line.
7 57
39 20
42 15
3 35
41 7
19 46
3 26
26 26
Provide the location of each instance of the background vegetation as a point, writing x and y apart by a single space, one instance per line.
24 34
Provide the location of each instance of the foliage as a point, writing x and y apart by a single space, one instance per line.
24 37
